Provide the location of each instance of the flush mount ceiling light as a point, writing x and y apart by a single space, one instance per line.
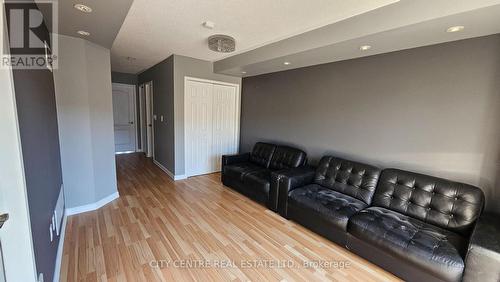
365 47
83 32
83 8
243 72
221 43
286 63
456 28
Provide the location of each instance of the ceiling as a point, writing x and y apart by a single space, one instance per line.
403 25
141 33
155 29
103 23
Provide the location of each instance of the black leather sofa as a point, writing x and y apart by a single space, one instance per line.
415 226
250 173
325 198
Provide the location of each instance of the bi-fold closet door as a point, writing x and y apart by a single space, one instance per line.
211 124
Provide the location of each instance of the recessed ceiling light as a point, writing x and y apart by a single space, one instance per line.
83 32
455 28
243 72
286 63
365 47
83 8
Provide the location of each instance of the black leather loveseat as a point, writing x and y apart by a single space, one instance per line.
250 173
415 226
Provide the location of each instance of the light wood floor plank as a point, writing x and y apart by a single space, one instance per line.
198 220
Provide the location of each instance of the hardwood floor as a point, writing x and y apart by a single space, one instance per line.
158 228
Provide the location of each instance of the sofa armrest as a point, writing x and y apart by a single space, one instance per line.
233 159
285 181
483 255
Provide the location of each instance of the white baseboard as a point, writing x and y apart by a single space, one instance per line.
60 246
168 172
93 206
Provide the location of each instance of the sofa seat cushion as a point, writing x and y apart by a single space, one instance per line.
239 170
333 207
428 247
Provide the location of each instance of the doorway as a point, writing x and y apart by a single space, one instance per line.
146 114
124 116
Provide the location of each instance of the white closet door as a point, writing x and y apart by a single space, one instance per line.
224 123
211 125
199 104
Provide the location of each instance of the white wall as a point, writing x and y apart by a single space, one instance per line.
85 116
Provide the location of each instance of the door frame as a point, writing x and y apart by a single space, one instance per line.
133 87
144 125
238 114
141 96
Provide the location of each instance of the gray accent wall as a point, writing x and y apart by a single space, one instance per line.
433 110
162 75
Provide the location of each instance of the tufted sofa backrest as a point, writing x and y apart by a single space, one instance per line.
262 153
351 178
285 157
451 205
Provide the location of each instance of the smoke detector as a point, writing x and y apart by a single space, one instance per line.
221 43
208 24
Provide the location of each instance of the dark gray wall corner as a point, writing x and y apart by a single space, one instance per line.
162 75
432 109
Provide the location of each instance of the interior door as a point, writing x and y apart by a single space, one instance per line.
124 118
198 141
225 129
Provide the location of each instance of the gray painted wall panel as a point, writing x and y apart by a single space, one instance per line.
162 76
85 115
101 119
433 110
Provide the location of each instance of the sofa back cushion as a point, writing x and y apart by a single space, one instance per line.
450 205
262 154
287 157
351 178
